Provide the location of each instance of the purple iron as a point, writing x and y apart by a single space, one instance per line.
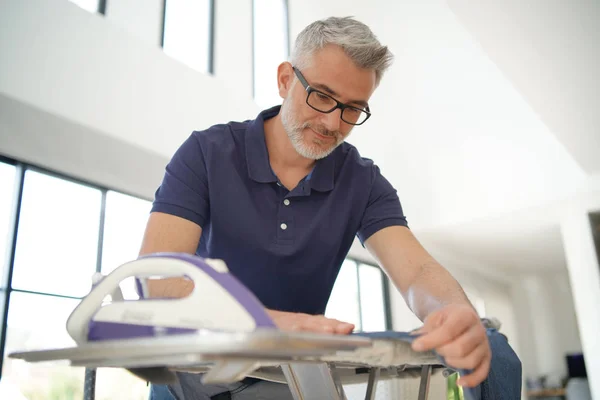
218 302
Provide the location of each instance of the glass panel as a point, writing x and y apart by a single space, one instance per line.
57 240
125 222
343 303
270 49
38 322
7 183
371 298
89 5
187 34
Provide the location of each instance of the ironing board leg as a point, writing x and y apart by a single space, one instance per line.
89 384
372 384
338 383
424 385
311 381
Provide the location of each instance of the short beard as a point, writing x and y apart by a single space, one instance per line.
294 130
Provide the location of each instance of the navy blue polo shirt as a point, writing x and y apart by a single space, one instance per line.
285 246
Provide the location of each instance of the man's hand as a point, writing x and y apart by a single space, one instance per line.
456 333
287 321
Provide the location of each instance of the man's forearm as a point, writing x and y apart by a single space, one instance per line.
431 289
169 287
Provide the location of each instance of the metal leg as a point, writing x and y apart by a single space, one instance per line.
338 382
372 384
424 385
89 384
311 381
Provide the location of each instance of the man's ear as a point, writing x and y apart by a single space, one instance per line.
285 78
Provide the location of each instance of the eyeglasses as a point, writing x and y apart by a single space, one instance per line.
324 103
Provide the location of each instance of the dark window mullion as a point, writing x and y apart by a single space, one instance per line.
14 224
164 19
387 301
102 7
211 38
61 296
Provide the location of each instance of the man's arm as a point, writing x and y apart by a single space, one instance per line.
425 285
451 325
169 233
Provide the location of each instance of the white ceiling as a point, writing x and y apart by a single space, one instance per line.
481 126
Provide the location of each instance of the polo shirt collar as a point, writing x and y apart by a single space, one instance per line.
257 157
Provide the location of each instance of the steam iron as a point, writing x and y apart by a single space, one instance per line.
218 302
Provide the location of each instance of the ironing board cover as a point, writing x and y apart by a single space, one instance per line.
504 379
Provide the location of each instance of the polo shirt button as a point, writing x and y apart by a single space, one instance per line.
283 226
286 202
278 184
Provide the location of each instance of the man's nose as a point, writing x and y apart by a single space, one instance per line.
332 120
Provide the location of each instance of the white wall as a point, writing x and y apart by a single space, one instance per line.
448 128
547 322
584 274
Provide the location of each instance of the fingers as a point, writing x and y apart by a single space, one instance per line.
450 328
463 345
478 375
320 324
456 334
471 361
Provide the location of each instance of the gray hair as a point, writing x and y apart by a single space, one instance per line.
355 38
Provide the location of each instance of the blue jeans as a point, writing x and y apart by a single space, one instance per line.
160 392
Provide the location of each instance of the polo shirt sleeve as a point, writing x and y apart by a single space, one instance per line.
383 208
184 189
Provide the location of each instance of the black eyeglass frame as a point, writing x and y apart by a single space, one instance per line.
309 89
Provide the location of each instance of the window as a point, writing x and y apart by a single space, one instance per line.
38 321
372 300
187 34
124 226
93 6
359 297
271 48
57 248
344 303
57 237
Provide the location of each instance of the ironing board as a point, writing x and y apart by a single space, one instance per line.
314 366
156 338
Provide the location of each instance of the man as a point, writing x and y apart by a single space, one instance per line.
282 197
